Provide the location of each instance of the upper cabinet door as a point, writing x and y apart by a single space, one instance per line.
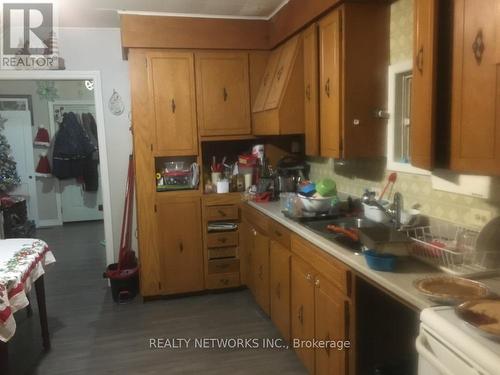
223 93
476 87
311 101
267 80
283 70
423 109
330 49
172 88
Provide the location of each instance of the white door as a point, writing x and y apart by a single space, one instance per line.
77 204
18 132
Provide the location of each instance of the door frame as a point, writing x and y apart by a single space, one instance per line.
95 76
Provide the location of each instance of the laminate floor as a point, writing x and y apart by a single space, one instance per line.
92 335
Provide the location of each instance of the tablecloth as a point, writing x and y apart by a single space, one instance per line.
22 262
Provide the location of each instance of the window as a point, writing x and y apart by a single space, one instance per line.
399 124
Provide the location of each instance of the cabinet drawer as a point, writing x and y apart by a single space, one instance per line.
223 266
279 233
223 280
223 239
325 264
217 213
222 252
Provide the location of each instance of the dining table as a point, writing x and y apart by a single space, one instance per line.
23 263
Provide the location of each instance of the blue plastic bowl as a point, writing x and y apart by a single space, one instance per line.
380 262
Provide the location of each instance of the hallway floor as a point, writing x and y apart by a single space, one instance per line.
92 335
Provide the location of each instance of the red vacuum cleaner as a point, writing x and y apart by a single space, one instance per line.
124 275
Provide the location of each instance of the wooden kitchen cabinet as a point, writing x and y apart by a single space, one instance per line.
267 80
330 44
350 90
260 270
172 90
331 323
180 246
424 87
302 309
311 100
223 93
475 130
280 288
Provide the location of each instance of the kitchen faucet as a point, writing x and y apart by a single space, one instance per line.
393 211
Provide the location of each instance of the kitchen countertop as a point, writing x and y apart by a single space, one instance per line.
399 284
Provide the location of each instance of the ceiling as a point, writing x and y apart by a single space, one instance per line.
104 13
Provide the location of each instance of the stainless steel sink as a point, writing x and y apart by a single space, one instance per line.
320 227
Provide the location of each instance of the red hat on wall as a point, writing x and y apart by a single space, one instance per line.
42 137
43 167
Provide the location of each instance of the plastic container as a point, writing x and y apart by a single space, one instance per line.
124 284
316 204
380 262
326 187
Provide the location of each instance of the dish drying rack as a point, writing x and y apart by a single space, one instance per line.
452 249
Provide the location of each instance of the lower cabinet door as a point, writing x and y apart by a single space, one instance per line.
331 307
302 311
260 270
180 251
280 288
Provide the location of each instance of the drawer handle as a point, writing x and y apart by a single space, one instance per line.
278 233
222 239
173 106
181 247
225 94
301 315
308 92
221 213
478 47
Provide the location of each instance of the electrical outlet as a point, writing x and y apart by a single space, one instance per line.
479 217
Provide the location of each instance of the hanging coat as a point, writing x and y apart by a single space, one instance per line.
72 149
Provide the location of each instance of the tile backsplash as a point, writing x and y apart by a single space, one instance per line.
353 177
416 189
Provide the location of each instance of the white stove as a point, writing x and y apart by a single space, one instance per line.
447 346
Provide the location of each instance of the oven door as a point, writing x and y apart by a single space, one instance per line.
437 357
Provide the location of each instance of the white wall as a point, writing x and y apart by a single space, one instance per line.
100 49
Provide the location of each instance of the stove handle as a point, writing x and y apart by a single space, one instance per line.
430 357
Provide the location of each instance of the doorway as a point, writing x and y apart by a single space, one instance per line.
53 95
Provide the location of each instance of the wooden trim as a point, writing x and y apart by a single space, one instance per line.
296 15
205 33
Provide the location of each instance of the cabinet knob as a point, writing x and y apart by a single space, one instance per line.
254 232
225 94
181 247
172 104
308 276
278 233
478 46
316 282
327 87
279 73
222 239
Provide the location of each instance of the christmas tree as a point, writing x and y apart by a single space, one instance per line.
8 174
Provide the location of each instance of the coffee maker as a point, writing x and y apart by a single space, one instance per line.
291 171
